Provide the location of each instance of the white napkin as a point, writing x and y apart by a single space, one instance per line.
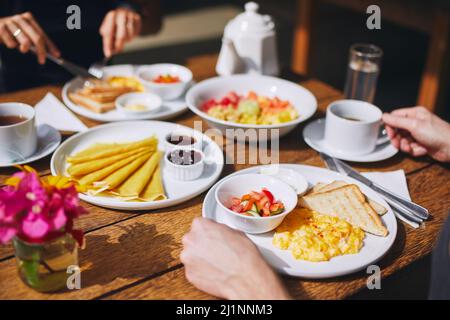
51 111
394 181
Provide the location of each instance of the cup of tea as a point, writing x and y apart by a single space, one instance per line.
18 136
352 127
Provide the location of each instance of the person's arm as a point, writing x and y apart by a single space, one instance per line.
150 11
23 32
225 263
418 132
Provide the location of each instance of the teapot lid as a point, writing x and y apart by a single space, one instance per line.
251 21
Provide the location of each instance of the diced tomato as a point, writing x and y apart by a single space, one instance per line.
246 197
265 212
249 204
252 95
268 195
236 208
235 201
256 195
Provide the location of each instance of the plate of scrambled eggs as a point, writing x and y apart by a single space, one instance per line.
312 245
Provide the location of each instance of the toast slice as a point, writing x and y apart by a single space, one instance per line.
348 203
90 104
321 187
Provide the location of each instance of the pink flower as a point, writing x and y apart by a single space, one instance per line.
36 211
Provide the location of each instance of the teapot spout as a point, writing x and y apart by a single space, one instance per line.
229 62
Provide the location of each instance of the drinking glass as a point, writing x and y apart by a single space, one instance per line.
362 72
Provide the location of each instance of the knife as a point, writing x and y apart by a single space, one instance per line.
402 204
69 66
413 221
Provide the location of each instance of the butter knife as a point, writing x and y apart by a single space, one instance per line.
401 203
408 218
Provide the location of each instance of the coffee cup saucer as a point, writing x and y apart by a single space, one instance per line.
313 134
48 140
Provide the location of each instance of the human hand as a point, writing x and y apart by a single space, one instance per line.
225 263
119 27
22 31
417 131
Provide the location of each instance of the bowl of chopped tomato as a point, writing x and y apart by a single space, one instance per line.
167 80
255 203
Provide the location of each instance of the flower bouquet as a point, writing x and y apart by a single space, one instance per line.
38 215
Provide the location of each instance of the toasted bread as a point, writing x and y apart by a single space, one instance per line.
321 187
348 203
91 104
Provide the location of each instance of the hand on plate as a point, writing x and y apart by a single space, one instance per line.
22 31
225 263
418 132
119 27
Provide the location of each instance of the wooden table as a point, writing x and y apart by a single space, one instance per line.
133 255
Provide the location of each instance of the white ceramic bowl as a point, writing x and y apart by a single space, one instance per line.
185 172
150 101
302 99
238 185
167 91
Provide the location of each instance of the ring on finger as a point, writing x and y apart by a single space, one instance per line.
17 32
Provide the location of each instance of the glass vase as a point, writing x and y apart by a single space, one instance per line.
43 266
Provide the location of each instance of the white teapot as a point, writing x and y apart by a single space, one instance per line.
249 44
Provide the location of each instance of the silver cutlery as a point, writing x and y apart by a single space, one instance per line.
404 209
70 66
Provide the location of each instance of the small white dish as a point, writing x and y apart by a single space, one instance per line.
282 260
167 91
238 185
183 134
138 103
313 134
48 139
291 177
186 172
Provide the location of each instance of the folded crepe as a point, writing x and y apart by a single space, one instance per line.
118 177
83 168
134 185
154 190
99 175
115 149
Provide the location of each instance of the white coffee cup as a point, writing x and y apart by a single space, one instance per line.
18 140
352 127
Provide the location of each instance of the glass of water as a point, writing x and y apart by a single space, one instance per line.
362 72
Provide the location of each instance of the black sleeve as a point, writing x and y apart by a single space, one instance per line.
440 266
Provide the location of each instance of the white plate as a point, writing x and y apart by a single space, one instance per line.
313 134
176 191
168 110
374 247
301 98
48 140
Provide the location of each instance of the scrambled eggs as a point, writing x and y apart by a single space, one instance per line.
130 82
315 237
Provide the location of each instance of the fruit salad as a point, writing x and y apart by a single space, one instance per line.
257 204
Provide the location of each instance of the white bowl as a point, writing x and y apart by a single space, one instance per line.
215 88
238 185
167 91
185 172
151 101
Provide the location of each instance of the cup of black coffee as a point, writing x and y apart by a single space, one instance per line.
18 136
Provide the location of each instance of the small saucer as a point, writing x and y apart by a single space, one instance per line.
48 140
313 134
